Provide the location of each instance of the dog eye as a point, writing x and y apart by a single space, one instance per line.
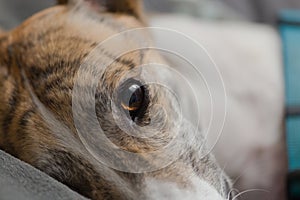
133 98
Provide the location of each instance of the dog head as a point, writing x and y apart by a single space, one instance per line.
60 61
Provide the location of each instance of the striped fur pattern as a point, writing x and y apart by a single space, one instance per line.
48 49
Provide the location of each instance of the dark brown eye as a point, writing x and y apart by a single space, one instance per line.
133 98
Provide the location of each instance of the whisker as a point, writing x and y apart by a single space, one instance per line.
224 167
250 190
232 190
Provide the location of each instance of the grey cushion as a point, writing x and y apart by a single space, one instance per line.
20 181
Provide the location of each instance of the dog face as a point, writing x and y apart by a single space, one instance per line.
57 51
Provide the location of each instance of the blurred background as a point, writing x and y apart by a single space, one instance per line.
243 38
13 12
265 11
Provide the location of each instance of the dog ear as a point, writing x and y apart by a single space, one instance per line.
130 7
62 2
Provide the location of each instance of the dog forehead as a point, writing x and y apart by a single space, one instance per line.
61 34
80 22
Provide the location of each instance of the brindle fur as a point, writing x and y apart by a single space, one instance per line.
43 48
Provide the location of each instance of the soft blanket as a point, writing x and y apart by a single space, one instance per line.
19 180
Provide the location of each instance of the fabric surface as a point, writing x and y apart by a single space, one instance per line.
20 181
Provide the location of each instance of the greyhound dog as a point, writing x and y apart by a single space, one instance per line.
44 61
